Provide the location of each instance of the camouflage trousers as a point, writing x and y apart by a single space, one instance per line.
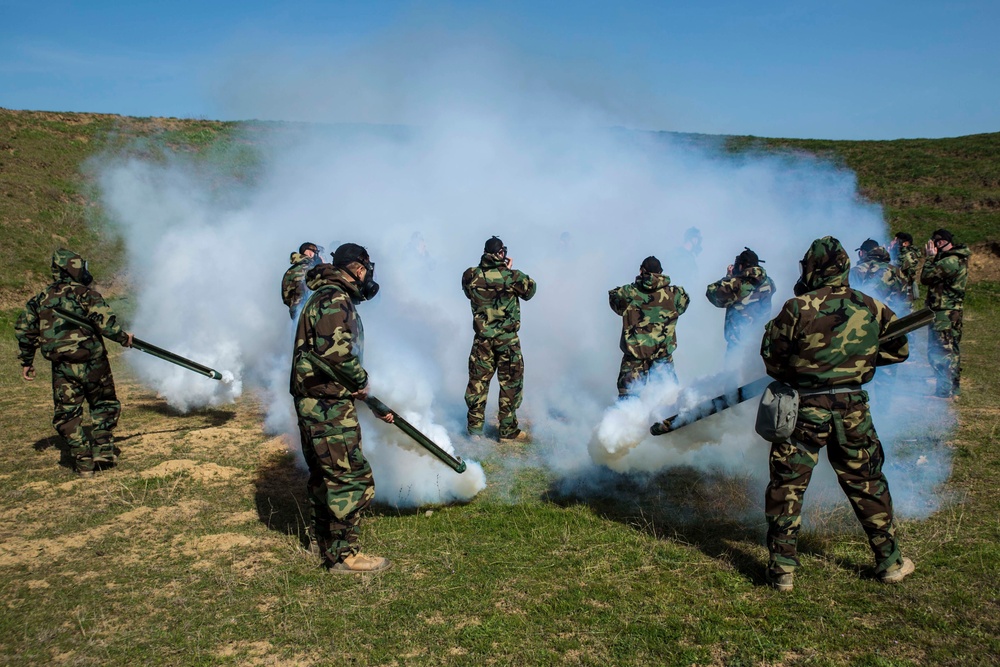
943 350
72 383
340 483
500 355
634 370
842 423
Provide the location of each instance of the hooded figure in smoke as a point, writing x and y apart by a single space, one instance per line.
825 344
649 308
876 276
80 368
494 289
327 376
945 274
745 293
293 282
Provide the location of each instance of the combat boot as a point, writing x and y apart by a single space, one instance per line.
780 582
898 572
519 437
360 563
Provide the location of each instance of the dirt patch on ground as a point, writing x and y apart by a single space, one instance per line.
199 470
984 264
259 654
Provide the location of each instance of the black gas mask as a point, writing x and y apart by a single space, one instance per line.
368 287
85 276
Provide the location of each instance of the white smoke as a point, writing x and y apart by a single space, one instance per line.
578 206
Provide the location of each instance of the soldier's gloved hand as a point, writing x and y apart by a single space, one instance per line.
361 394
387 417
509 262
128 341
28 373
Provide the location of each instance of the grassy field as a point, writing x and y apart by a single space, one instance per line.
189 553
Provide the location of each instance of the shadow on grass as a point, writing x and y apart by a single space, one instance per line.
721 515
207 417
280 496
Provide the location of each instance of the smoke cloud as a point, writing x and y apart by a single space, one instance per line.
578 204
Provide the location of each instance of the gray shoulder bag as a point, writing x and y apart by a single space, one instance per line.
778 411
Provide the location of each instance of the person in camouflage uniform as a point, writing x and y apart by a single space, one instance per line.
945 274
80 368
825 343
907 257
649 308
876 276
327 376
494 289
293 283
745 293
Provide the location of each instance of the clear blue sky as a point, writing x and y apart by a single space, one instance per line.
837 70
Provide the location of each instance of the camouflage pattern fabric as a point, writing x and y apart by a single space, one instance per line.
945 276
293 283
876 277
908 259
71 385
501 355
340 480
746 297
80 369
494 292
827 337
634 370
649 308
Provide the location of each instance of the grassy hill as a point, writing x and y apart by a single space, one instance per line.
189 552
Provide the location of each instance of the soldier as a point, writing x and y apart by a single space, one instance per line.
825 343
494 289
293 283
945 274
876 277
683 259
649 308
907 257
327 376
80 368
745 293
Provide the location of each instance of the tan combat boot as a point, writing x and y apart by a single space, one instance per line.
361 563
521 437
897 573
780 582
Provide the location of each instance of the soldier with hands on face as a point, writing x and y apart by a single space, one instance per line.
745 293
876 276
825 343
907 257
80 368
649 308
945 274
327 376
293 282
495 289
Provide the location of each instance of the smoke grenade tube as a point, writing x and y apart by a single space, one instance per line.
148 348
381 409
900 327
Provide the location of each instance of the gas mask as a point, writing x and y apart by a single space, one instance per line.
85 276
368 287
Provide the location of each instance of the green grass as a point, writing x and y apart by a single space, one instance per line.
184 567
189 553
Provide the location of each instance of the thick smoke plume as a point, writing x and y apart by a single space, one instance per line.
578 205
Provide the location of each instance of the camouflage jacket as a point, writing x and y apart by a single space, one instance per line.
649 308
945 275
908 259
876 277
746 298
829 335
293 283
60 340
329 328
494 292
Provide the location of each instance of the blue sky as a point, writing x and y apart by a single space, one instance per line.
837 70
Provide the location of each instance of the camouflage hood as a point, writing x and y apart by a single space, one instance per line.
825 264
328 274
958 250
879 254
492 260
67 264
651 282
755 275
